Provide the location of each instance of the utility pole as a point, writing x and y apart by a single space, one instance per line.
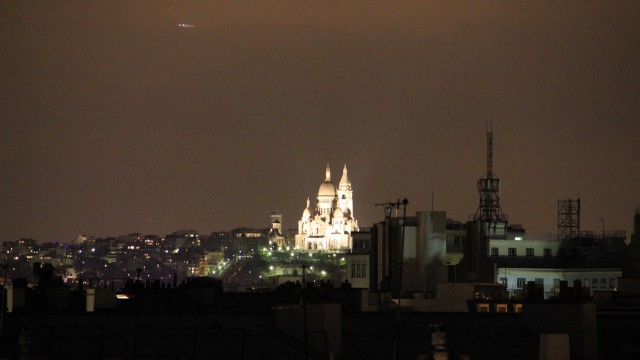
303 302
388 207
405 202
3 296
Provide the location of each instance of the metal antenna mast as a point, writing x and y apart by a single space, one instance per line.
568 218
489 190
489 155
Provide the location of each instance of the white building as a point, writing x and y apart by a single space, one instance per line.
548 262
329 225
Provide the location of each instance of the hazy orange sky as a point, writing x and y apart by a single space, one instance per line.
115 120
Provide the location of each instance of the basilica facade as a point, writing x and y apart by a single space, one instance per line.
328 226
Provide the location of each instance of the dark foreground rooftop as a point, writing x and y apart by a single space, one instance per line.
242 326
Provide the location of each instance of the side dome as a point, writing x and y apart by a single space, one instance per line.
337 213
306 213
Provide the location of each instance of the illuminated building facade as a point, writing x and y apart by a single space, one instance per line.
276 239
329 225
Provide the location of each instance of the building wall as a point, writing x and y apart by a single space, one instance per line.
476 266
549 279
632 261
456 238
379 259
425 252
536 247
357 271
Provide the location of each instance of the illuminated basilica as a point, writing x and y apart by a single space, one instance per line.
329 225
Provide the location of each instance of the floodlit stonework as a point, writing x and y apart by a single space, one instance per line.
329 225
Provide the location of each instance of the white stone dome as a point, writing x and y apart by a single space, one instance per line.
327 189
337 213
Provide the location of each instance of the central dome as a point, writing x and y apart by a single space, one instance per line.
327 189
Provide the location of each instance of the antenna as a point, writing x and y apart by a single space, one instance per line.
568 218
489 155
489 189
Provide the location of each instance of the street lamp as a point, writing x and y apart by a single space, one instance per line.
387 210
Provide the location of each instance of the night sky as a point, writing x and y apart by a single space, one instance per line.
115 120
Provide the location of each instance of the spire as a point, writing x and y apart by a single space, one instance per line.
345 178
307 202
328 173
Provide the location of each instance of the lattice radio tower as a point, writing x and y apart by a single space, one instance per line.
489 190
568 218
